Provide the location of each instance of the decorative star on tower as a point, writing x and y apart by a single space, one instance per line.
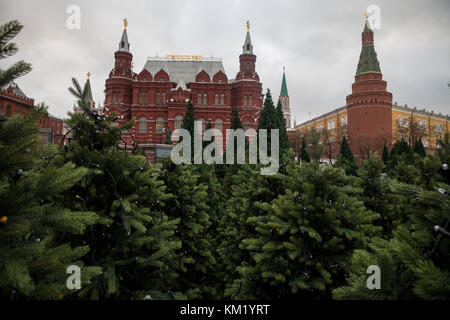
88 74
248 26
125 24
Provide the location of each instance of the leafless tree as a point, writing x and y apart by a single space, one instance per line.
409 130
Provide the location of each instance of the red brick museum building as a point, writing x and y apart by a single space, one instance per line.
13 101
157 96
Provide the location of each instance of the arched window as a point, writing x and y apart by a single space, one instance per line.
147 97
329 124
141 97
120 98
163 98
205 99
158 99
178 122
218 125
245 101
199 99
247 125
159 125
216 98
222 99
343 121
142 125
8 111
250 101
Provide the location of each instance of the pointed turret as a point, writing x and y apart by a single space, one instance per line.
247 59
123 56
90 99
118 87
284 91
124 45
368 61
247 48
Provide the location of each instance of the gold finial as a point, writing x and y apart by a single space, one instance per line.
248 26
125 24
366 15
88 74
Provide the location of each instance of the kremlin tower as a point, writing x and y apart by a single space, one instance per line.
284 98
369 106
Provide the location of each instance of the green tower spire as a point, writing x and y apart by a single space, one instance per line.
368 61
284 91
89 90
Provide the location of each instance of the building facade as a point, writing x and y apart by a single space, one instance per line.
157 96
14 101
369 120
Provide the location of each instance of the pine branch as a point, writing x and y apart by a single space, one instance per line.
9 31
8 50
17 70
76 90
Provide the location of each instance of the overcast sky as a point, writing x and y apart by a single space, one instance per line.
319 42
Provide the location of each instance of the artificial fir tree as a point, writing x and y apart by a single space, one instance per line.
195 263
37 222
248 188
304 154
415 262
376 194
132 240
301 239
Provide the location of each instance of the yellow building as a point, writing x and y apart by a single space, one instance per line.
412 124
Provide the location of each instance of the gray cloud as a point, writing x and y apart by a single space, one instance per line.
318 41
